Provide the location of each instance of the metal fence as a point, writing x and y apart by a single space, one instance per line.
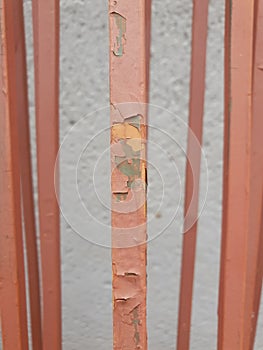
242 228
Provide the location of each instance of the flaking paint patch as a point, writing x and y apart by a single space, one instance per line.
122 131
127 143
120 197
136 322
134 120
119 33
128 152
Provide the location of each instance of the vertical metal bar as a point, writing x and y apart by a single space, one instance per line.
26 181
129 77
46 54
197 95
255 241
227 108
242 179
12 286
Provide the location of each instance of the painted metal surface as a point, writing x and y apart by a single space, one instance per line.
197 95
256 210
254 277
241 265
46 55
242 237
12 283
129 70
26 179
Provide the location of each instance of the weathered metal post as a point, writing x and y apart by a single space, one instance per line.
129 79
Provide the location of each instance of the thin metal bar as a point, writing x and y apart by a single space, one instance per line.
46 54
255 241
227 108
26 181
12 287
129 77
197 95
242 198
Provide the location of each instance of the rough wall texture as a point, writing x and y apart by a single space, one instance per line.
86 267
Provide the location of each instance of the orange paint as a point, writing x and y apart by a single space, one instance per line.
255 240
242 237
26 180
12 285
241 269
129 77
227 105
197 94
46 54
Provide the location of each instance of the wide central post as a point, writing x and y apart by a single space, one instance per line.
129 80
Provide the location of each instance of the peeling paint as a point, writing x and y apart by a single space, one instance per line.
119 31
127 136
128 94
125 131
136 322
129 168
120 197
129 172
134 120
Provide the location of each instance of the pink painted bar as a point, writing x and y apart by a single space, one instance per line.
241 264
129 83
197 95
255 242
46 54
12 284
26 181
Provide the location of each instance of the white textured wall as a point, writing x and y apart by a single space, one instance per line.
86 267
